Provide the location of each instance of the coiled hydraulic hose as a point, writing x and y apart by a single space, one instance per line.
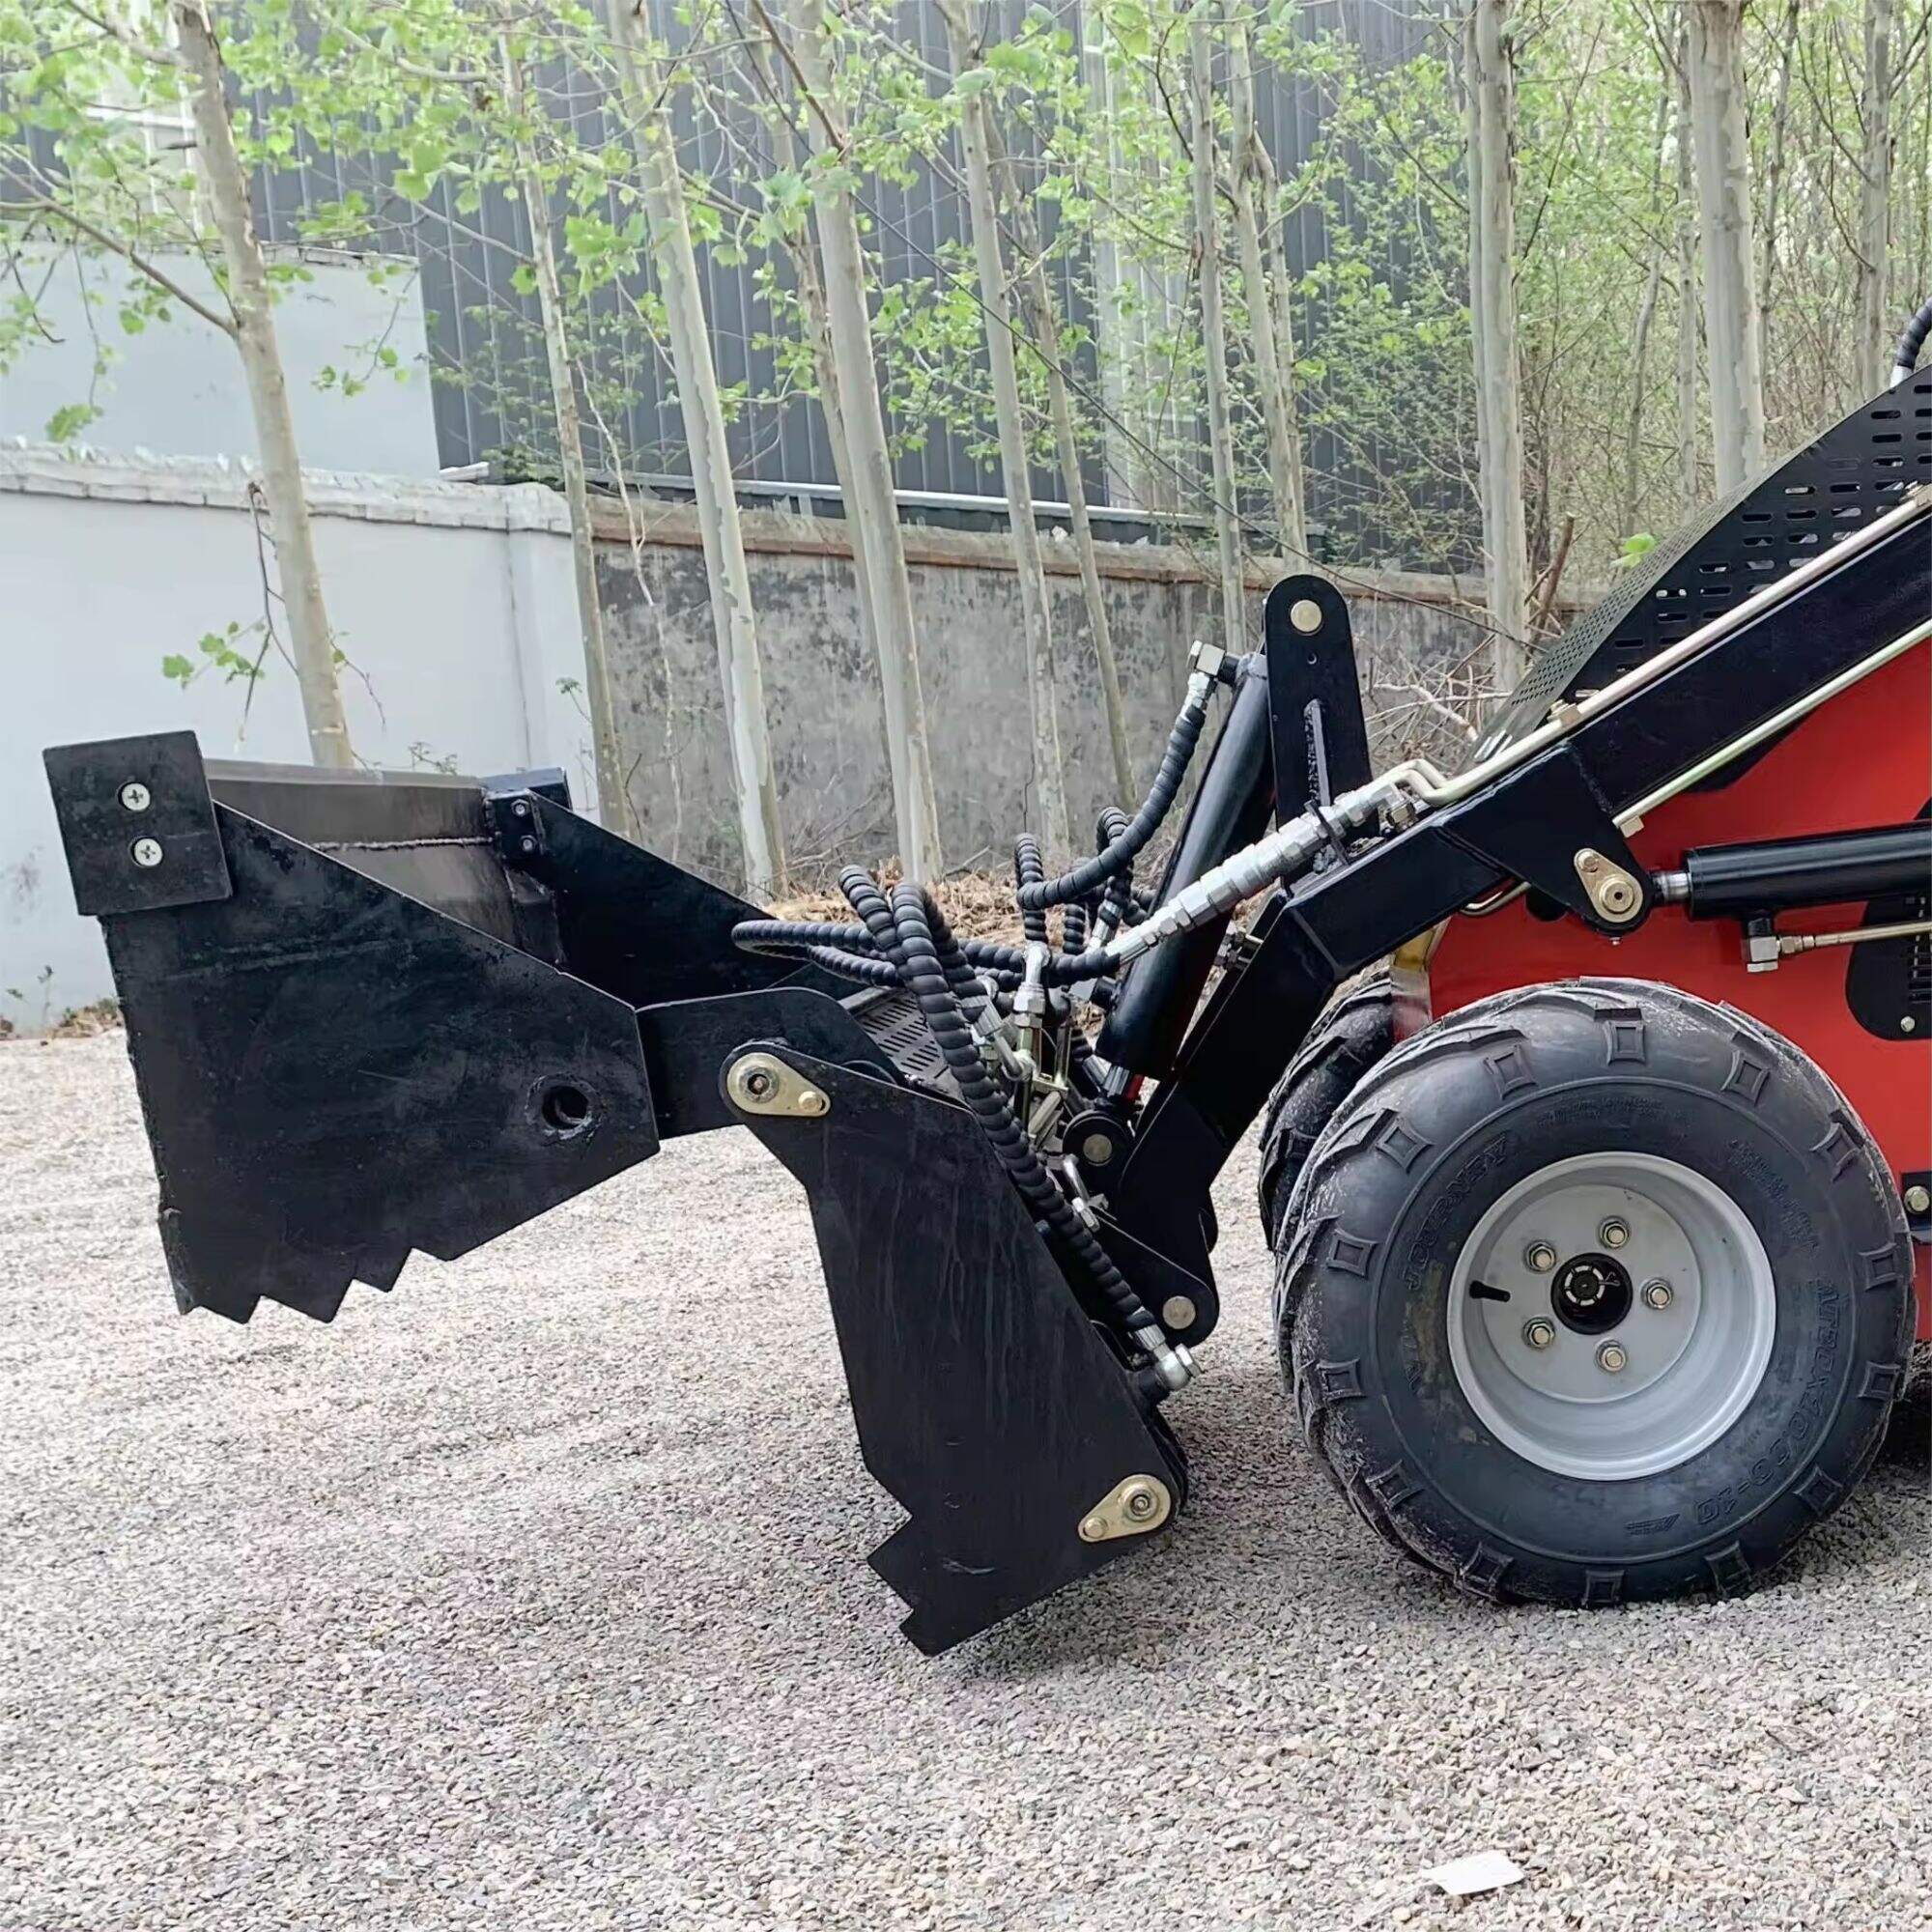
1906 359
1146 822
1029 874
925 941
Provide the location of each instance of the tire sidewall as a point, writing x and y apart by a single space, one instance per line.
1498 1096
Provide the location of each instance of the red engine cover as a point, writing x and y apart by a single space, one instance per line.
1861 759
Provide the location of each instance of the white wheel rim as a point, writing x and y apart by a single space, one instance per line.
1603 1398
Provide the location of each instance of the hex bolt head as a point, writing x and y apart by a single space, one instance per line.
1917 1200
526 846
1613 1358
1659 1293
135 796
145 853
1539 1256
1614 1234
1538 1333
1096 1150
521 809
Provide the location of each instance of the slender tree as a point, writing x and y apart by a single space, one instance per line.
1214 327
872 506
1731 337
1490 78
1875 323
1049 784
644 91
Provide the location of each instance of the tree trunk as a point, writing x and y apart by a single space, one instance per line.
1213 331
613 803
1049 781
800 254
872 505
1646 315
740 665
311 643
1724 212
1773 180
1689 419
1872 365
1490 82
1044 321
1275 369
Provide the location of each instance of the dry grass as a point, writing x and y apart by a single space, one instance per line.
978 906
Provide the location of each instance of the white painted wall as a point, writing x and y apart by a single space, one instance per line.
176 388
454 603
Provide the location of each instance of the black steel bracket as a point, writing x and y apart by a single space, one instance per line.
985 1400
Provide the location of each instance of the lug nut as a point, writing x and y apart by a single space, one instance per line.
1613 1358
1614 1234
1540 1256
1539 1333
1658 1294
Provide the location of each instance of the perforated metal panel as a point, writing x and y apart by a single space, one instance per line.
1853 473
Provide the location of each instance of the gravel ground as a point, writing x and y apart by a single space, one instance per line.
538 1599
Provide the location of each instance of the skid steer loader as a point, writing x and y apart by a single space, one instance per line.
1597 1215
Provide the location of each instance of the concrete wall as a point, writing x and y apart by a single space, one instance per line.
822 687
454 604
456 607
176 388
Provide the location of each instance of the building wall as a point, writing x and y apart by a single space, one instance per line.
176 388
456 607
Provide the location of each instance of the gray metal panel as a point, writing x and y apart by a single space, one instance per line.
492 399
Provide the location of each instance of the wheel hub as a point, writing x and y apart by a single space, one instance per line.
1565 1361
1591 1294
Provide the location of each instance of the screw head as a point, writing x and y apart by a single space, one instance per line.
1613 1358
145 853
1538 1333
1657 1293
1614 1234
135 796
1917 1200
1178 1311
1539 1256
1096 1150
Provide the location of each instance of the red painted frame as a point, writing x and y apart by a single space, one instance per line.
1864 758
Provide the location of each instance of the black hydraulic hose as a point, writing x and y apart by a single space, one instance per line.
1146 822
926 979
1118 903
1906 359
1072 925
1030 873
868 972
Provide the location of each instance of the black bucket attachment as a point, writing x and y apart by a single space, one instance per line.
372 1013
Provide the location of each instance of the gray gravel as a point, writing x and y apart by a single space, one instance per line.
534 1596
